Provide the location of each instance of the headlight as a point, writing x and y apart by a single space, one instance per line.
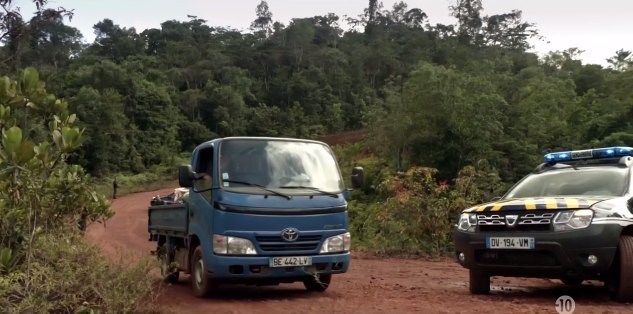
336 244
232 245
467 222
573 219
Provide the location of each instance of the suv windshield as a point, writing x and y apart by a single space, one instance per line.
290 166
598 181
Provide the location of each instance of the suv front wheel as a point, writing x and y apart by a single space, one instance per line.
624 277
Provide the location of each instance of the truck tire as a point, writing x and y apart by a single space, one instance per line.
624 291
318 282
167 272
200 281
479 282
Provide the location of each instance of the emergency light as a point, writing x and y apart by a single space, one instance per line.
597 153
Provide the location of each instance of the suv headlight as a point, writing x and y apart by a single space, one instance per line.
573 219
467 222
227 245
336 244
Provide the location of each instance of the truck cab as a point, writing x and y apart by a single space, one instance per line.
258 211
570 219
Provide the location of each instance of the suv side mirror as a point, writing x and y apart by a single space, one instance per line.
358 176
185 176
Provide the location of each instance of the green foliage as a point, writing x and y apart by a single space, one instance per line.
376 169
418 213
67 275
45 266
438 96
8 261
157 177
442 96
39 191
439 117
107 107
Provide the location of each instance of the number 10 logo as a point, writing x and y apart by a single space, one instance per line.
565 305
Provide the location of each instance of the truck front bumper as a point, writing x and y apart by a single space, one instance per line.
555 254
256 269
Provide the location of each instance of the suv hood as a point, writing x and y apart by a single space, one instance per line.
537 203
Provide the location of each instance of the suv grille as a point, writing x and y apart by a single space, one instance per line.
538 221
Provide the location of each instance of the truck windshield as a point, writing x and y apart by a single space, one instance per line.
290 166
598 181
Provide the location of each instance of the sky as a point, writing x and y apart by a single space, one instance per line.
599 28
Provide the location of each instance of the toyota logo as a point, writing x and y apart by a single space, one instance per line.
290 234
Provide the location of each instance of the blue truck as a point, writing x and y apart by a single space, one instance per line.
258 210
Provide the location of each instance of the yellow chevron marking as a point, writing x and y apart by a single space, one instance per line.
550 203
572 203
481 208
530 204
497 207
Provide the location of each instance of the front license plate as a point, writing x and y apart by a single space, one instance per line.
510 243
286 261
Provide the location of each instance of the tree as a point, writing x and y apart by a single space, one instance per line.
51 42
96 155
469 20
40 191
15 33
263 23
114 42
157 119
508 31
621 61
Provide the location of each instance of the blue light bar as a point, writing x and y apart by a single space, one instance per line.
598 153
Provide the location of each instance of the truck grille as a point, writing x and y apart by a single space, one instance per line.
278 244
538 221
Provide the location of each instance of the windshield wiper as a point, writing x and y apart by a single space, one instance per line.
258 186
309 188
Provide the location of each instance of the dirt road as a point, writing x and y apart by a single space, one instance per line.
372 285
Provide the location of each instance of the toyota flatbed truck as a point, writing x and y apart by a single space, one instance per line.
258 210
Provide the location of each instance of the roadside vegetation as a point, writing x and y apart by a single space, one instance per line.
46 266
410 212
453 114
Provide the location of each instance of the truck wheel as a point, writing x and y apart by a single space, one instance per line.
624 291
200 280
317 282
167 272
479 282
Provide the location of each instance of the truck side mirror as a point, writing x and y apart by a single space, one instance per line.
358 176
185 176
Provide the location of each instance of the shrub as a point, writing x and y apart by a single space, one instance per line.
418 213
158 177
67 275
45 266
